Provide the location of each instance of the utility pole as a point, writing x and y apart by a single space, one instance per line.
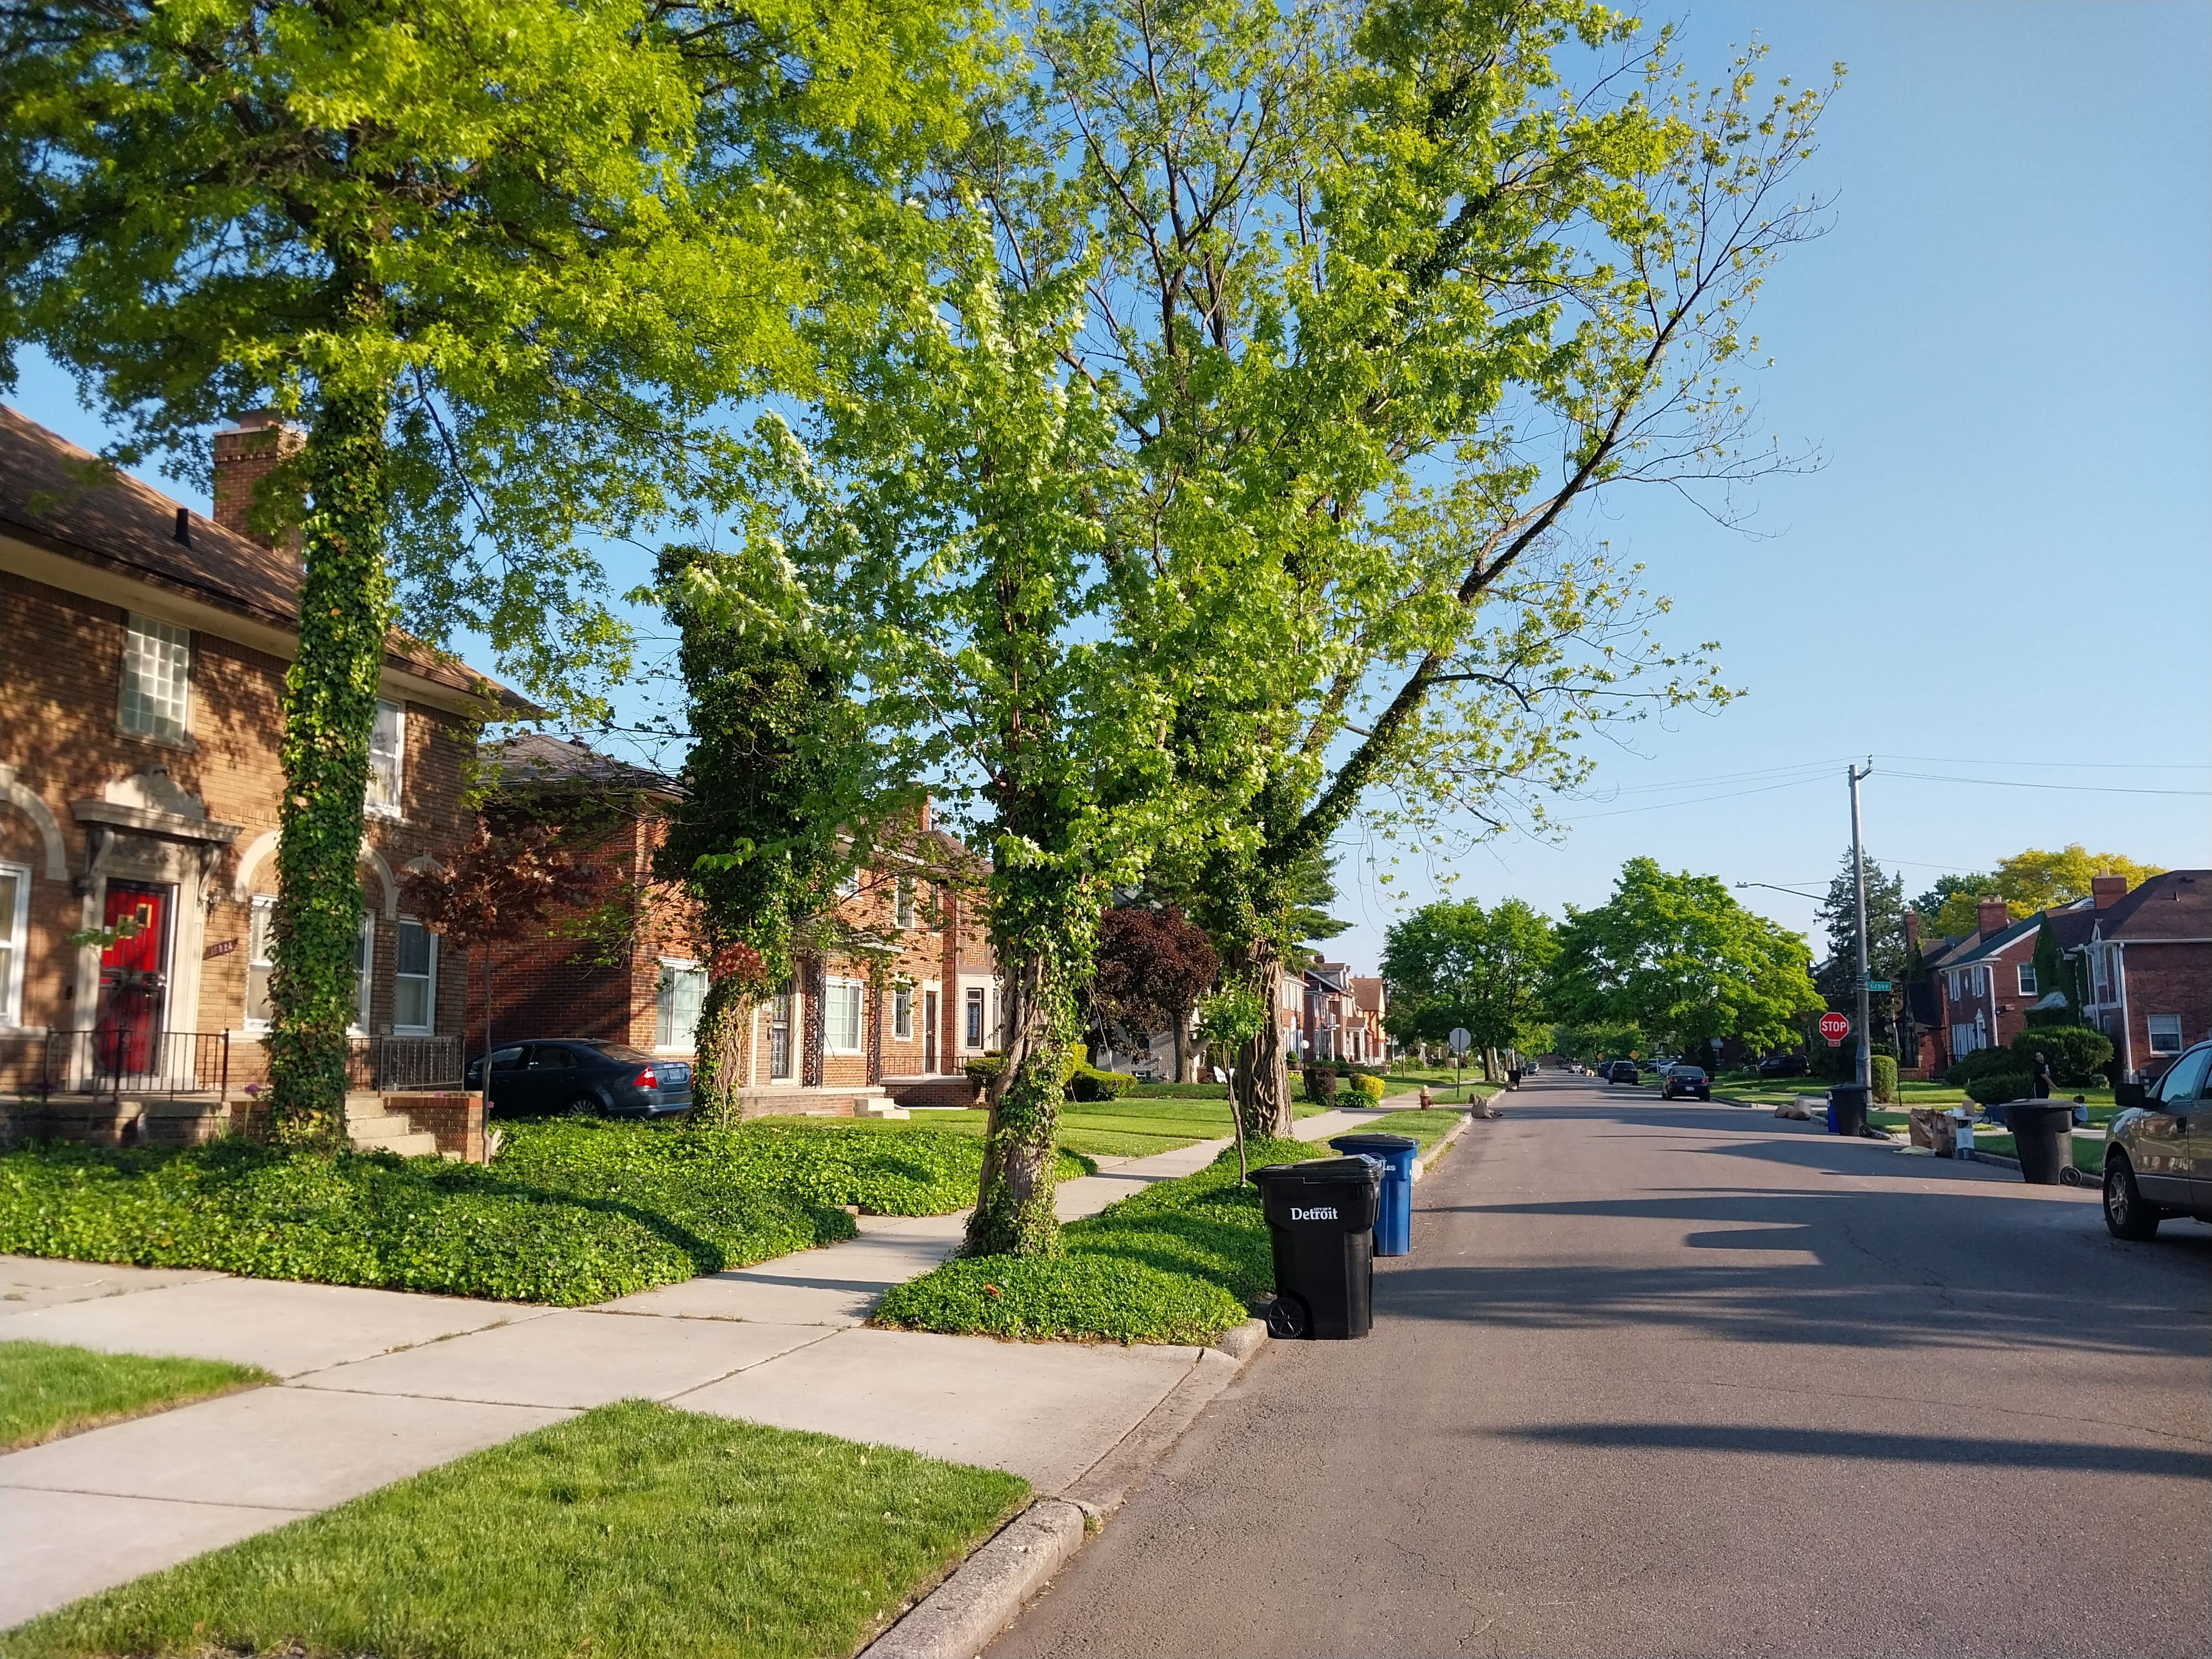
1858 888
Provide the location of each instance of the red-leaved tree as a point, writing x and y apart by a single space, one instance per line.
1153 966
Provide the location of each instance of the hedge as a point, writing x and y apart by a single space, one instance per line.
1367 1084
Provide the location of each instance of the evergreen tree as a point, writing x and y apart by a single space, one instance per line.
1837 977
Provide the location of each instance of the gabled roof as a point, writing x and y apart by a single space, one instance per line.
2070 928
1985 947
2177 905
531 759
68 501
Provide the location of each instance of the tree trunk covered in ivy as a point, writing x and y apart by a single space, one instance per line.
1044 932
330 712
1262 1086
717 1075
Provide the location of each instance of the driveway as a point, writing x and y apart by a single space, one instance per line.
1688 1379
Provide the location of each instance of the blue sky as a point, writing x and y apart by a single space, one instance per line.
2003 351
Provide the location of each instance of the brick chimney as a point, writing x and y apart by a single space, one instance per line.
1992 917
245 454
1913 932
2107 889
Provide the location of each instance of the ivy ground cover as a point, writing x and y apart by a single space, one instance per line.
1181 1261
632 1532
573 1212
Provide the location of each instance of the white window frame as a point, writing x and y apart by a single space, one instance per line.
849 885
2158 1025
975 1014
902 1014
428 978
903 903
1980 984
381 803
664 1012
364 977
2028 982
261 904
850 992
136 628
14 930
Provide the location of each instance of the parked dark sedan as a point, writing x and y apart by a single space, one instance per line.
583 1080
1621 1071
1782 1066
1683 1080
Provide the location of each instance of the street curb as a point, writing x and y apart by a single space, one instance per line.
1427 1160
986 1593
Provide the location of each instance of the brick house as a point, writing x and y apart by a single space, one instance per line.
898 1020
142 654
1984 984
2145 967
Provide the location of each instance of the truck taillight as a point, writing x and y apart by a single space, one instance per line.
646 1079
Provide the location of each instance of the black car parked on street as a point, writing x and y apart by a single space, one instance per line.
1687 1080
582 1078
1621 1071
1782 1066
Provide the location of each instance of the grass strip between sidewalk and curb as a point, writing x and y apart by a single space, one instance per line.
633 1532
573 1212
1180 1262
48 1389
1138 1124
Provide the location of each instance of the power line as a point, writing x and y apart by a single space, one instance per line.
2077 788
1734 794
2086 766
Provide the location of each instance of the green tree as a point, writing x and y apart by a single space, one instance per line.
1677 957
1837 977
1454 963
500 259
2028 881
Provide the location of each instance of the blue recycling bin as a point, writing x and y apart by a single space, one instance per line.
1394 1213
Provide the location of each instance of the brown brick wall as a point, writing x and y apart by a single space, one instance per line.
2166 979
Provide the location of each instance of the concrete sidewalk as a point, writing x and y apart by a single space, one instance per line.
377 1385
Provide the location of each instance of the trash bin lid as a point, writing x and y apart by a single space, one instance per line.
1323 1171
1379 1143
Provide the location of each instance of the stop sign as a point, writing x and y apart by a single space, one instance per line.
1835 1027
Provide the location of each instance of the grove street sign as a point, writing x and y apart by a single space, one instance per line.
1835 1027
1461 1039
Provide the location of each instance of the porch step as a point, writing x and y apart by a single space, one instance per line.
380 1127
406 1144
863 1100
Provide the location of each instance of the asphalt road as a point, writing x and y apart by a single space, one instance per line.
1689 1380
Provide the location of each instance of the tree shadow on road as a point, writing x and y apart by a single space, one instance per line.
1767 1440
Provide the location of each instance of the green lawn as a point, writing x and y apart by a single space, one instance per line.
574 1211
1772 1091
1428 1127
1180 1262
632 1532
1135 1126
48 1390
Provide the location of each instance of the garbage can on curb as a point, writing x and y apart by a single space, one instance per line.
1394 1215
2042 1135
1320 1221
1848 1109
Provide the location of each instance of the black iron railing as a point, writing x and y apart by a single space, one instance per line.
403 1062
116 1063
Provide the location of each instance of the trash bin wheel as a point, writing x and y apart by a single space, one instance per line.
1287 1317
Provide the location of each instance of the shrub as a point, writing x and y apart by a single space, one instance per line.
1090 1084
1885 1077
1321 1085
1366 1084
1984 1062
2075 1052
1992 1087
984 1068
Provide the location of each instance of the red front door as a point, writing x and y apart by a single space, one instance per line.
134 976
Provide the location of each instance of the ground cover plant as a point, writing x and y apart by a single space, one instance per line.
48 1389
632 1530
1181 1261
573 1212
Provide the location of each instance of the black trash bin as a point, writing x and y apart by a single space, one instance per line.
1850 1100
2043 1135
1321 1219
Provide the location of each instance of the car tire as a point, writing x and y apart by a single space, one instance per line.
584 1106
2128 1214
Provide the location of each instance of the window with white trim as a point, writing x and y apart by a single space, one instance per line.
1980 983
683 993
15 921
2100 982
974 1031
849 885
157 678
2165 1033
260 958
840 1017
364 959
2028 980
902 1015
414 979
387 761
903 903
